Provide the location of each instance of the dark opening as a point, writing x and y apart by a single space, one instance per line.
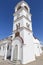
17 34
18 25
8 47
26 8
9 57
19 8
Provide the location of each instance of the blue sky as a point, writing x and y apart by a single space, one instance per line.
6 17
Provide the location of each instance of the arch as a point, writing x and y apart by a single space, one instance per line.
26 8
18 37
19 8
17 49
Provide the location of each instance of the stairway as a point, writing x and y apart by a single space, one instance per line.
16 62
38 61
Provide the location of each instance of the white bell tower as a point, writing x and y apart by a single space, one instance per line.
22 16
22 28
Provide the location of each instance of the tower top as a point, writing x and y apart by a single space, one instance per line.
22 3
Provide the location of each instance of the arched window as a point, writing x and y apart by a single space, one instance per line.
19 8
27 25
26 8
17 34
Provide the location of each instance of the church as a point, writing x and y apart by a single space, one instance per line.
21 46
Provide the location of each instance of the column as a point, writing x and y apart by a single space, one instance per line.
5 55
12 53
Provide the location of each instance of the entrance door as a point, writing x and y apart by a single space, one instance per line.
15 53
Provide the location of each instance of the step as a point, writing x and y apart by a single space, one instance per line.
16 62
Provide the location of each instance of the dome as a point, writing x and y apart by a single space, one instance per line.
22 4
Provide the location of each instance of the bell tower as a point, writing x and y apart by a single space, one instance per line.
22 19
22 28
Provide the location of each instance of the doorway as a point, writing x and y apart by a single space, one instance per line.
15 53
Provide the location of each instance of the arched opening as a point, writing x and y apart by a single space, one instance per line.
9 51
19 8
25 7
15 55
17 50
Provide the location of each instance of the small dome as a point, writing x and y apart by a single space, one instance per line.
22 4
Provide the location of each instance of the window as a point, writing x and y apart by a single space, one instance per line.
27 25
17 34
0 48
26 8
19 8
18 25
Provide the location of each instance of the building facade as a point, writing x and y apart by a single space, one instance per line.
21 46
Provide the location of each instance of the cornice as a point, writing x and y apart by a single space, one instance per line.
21 28
15 14
22 18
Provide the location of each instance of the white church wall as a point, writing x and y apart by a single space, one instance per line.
2 51
28 48
40 49
28 54
29 23
9 47
27 37
23 13
37 48
29 16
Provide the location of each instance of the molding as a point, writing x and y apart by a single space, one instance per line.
17 34
21 28
20 38
6 40
19 11
22 18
